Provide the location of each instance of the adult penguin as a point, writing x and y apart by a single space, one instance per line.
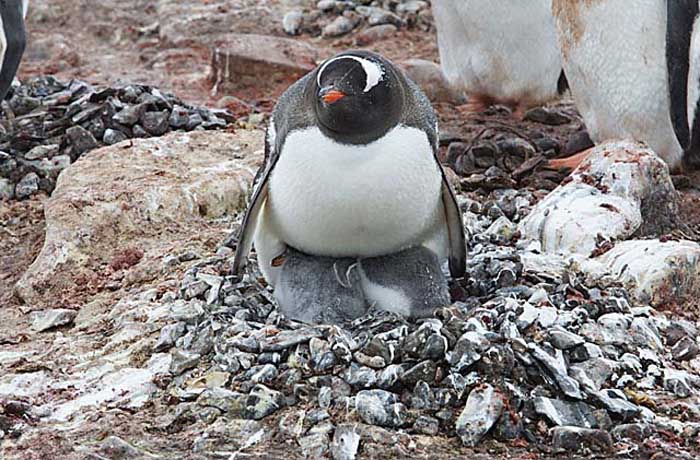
500 52
12 40
634 71
352 207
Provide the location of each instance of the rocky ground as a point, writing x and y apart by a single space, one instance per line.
122 335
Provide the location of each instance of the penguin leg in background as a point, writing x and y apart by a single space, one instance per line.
410 283
317 289
476 103
571 162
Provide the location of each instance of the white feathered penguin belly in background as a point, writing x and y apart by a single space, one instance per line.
353 209
502 51
633 68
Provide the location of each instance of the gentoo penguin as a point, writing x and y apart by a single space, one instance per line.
501 51
12 40
351 173
634 71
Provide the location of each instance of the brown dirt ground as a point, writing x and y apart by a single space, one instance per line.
108 41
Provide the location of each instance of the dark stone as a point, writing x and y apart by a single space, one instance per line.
156 123
81 139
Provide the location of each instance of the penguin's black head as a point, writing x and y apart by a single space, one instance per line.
357 97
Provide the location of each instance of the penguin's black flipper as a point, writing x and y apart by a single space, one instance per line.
250 220
15 40
420 114
680 21
455 230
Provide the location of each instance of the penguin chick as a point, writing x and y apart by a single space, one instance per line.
410 283
317 289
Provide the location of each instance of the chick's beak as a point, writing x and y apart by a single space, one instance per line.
331 96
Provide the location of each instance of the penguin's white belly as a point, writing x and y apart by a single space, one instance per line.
340 200
615 60
505 49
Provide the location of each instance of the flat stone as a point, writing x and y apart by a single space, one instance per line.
112 136
574 439
49 319
129 115
564 340
634 431
116 448
592 374
484 407
616 403
341 25
468 350
244 58
565 413
42 151
375 33
183 360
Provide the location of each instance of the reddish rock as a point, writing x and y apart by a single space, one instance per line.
429 77
375 34
249 59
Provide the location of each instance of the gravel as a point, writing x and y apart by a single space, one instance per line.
50 124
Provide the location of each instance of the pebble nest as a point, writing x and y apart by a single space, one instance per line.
524 355
49 124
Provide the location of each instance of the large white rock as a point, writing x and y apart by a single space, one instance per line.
663 274
124 207
621 190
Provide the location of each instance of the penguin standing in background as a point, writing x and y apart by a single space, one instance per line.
500 52
13 40
634 71
352 208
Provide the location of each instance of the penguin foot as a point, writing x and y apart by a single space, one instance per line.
410 283
317 289
476 104
571 162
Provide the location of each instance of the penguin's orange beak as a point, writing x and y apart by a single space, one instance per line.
331 96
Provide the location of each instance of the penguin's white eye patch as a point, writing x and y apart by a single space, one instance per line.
373 71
